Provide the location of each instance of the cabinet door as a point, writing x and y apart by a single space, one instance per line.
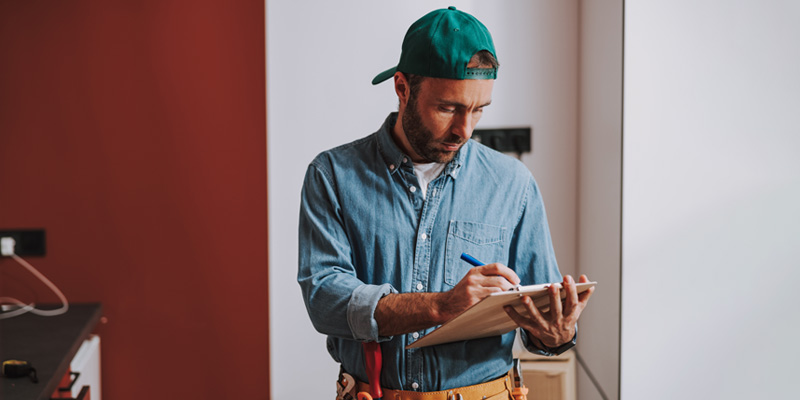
549 380
87 363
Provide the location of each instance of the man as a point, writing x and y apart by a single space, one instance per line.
384 220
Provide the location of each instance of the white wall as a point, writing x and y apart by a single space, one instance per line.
321 57
711 200
599 192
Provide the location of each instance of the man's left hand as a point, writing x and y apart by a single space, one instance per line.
557 326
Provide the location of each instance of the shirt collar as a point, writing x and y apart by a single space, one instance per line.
393 156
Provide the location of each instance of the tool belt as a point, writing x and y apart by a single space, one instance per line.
499 389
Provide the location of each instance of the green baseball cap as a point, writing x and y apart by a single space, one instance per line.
440 45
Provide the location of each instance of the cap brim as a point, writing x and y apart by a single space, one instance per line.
384 75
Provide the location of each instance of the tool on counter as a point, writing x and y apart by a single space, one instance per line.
18 369
373 360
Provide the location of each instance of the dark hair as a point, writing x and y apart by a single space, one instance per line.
484 59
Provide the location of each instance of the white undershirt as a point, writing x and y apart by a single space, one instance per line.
426 173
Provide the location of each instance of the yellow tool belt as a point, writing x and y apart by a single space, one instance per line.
498 389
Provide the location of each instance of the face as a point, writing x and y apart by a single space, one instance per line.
440 118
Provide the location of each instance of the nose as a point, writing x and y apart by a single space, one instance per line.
463 125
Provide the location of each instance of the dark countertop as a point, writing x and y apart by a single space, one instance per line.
48 343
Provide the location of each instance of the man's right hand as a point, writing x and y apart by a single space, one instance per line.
402 313
479 283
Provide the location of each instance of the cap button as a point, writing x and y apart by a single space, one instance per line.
451 8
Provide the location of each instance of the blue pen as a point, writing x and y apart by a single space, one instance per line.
475 263
470 259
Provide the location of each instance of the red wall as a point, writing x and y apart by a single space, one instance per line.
134 132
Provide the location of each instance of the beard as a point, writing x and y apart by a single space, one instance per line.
421 138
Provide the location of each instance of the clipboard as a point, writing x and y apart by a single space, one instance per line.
487 318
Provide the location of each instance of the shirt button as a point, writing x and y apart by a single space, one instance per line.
419 286
424 236
415 385
405 160
412 189
391 167
415 335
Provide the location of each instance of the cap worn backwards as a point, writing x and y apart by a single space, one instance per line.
440 45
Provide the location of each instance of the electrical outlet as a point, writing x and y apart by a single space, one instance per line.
29 242
506 140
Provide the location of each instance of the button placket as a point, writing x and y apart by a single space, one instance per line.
422 264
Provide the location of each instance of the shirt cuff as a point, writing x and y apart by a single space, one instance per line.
536 347
361 312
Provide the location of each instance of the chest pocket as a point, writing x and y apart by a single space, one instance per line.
483 241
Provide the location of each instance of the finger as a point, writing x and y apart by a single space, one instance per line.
498 282
500 270
571 299
535 315
519 319
555 302
584 297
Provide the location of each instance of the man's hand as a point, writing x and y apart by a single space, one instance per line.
557 326
473 287
401 313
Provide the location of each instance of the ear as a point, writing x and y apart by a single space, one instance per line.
402 88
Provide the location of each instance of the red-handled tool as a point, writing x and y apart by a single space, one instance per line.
373 360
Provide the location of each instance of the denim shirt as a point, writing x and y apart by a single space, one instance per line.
366 231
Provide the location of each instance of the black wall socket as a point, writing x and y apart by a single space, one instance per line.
506 140
29 242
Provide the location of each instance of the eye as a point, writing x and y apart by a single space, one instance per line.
447 109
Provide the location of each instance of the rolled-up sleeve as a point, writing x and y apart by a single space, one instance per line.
539 349
338 302
361 311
